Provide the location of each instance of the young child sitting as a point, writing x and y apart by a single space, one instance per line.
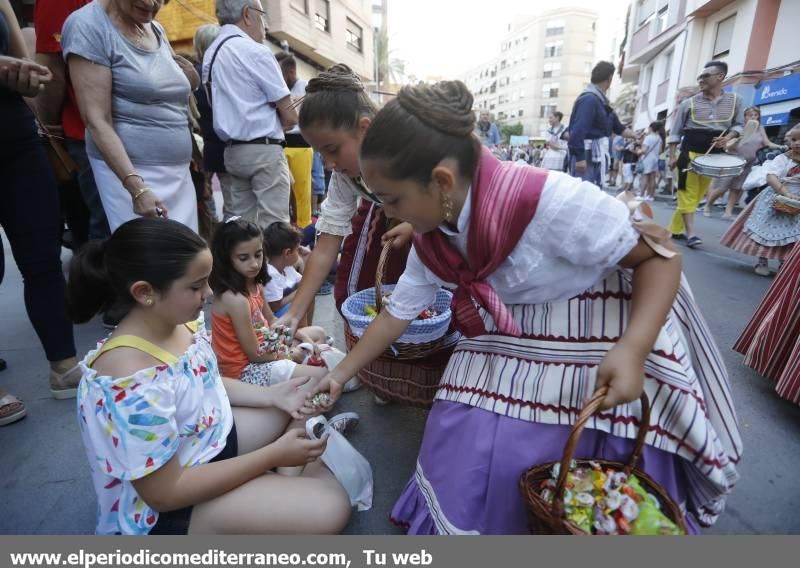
285 257
245 347
173 446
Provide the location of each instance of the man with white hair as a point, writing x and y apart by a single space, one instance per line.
252 108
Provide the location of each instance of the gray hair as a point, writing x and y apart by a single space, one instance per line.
230 11
203 37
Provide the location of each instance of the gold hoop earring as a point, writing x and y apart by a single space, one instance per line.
447 206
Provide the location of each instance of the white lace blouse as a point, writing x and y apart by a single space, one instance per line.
577 236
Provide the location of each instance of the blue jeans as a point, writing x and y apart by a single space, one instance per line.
98 225
592 173
31 218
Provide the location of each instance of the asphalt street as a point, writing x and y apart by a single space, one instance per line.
45 486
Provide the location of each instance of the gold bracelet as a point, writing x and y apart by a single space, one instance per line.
139 193
130 175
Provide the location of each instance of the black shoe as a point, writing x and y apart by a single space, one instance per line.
680 237
3 365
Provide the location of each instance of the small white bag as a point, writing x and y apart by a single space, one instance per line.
349 467
755 179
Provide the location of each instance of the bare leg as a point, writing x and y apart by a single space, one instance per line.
315 333
734 195
688 220
715 193
314 503
651 188
257 427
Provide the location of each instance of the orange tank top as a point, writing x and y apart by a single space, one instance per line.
231 358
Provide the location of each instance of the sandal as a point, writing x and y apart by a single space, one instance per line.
65 385
12 409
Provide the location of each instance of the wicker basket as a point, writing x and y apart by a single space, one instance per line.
422 338
547 518
407 372
408 381
786 205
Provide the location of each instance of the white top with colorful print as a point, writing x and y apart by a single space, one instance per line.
133 426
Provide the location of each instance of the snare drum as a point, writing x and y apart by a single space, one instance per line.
718 165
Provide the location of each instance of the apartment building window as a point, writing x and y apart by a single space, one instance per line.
550 90
301 6
322 15
662 17
354 36
722 43
553 48
645 11
520 112
554 28
546 110
667 70
648 79
551 70
522 94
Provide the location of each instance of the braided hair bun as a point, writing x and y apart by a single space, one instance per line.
424 125
445 106
337 78
336 99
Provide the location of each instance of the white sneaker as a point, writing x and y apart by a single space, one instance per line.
762 269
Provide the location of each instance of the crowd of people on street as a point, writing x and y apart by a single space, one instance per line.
199 427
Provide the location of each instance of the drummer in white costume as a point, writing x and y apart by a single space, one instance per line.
712 117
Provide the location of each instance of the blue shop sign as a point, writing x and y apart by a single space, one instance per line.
776 90
775 119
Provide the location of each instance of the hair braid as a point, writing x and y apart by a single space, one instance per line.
337 78
445 106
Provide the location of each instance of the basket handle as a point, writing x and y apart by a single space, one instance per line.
380 274
569 449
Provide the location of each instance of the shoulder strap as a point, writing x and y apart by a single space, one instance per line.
211 67
136 343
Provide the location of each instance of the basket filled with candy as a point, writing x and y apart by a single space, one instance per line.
410 370
599 497
426 334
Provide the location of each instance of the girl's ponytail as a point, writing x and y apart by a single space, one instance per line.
157 251
89 289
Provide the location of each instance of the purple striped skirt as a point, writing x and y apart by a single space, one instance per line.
506 404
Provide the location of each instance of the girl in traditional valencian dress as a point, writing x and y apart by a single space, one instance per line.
557 293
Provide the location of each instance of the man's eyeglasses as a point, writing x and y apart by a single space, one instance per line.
263 15
704 76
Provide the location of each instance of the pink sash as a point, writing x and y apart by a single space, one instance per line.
504 197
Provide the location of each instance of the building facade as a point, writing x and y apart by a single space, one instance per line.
318 32
669 42
543 65
326 31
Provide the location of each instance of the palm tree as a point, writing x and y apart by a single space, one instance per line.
388 69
